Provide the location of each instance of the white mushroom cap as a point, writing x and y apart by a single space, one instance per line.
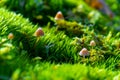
92 43
84 52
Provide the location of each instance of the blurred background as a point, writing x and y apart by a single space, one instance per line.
84 11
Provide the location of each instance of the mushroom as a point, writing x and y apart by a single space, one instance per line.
84 52
39 32
10 36
59 16
92 43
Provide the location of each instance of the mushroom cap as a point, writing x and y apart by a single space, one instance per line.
10 36
59 16
84 52
39 32
92 43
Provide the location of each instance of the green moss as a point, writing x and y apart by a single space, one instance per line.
70 28
56 54
65 71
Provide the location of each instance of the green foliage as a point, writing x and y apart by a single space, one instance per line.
48 71
2 3
27 41
38 10
56 54
71 28
55 45
114 6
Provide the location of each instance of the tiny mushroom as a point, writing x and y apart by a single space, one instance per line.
39 32
10 36
92 43
84 52
59 16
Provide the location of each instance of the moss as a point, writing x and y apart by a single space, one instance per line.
70 28
56 54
